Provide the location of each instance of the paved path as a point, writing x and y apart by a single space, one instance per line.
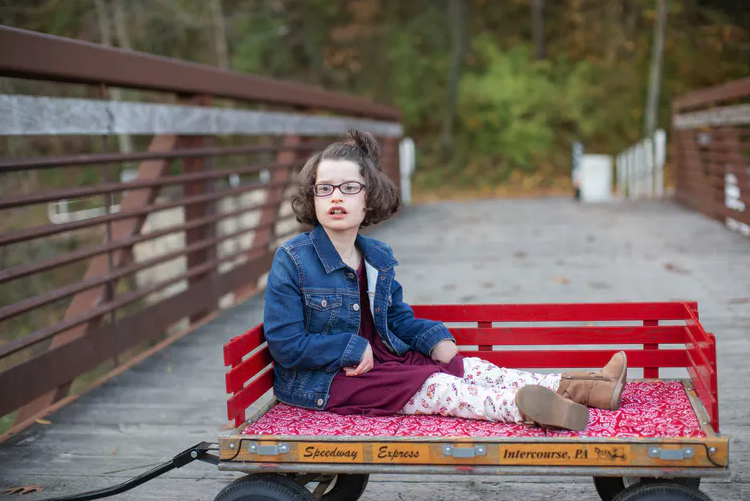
480 251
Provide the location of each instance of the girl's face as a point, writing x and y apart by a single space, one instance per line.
340 211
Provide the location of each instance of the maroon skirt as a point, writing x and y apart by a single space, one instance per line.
392 381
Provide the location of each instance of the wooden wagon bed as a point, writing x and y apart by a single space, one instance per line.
664 428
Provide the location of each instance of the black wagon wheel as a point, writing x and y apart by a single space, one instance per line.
265 487
346 487
609 487
661 491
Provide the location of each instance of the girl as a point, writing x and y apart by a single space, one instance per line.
343 339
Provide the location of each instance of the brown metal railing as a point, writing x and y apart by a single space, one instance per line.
114 300
711 152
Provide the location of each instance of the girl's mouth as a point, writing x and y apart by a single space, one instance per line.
337 211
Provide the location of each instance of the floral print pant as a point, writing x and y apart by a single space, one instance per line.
486 392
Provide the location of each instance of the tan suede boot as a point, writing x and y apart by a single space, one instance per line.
542 406
601 389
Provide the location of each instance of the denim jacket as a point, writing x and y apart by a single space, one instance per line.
312 315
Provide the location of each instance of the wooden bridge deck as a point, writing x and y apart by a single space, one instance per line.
480 251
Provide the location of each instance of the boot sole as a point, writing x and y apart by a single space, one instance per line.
619 385
547 408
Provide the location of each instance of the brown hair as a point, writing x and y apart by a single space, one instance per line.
381 195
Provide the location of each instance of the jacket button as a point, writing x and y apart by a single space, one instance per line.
323 303
320 402
382 277
377 309
355 307
350 275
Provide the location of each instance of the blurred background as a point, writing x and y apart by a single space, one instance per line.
494 93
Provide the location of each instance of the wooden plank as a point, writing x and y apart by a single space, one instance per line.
522 336
247 369
538 359
560 312
239 402
240 346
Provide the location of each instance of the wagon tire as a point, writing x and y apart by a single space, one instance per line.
264 487
661 491
609 487
347 487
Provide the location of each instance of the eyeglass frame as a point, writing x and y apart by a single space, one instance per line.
361 187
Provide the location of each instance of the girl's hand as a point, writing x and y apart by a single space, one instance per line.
444 351
365 364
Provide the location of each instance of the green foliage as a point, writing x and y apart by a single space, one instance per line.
514 113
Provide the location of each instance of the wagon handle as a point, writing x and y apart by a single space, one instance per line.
197 452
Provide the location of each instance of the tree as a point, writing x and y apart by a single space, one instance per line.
537 28
457 20
654 81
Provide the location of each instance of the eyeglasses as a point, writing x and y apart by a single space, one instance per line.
348 188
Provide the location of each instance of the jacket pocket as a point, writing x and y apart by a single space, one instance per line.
320 311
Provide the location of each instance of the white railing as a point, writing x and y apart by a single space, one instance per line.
640 168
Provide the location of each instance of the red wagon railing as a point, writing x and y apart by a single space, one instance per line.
564 347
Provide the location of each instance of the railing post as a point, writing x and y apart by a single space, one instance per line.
264 235
197 211
650 372
485 325
389 161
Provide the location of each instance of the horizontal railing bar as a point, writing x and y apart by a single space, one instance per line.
20 307
38 116
40 373
26 270
47 57
18 164
98 311
100 189
722 92
16 236
557 312
548 359
522 336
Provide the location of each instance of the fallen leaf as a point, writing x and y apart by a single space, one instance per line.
227 426
24 489
170 369
739 300
674 268
114 451
520 254
598 285
561 280
44 422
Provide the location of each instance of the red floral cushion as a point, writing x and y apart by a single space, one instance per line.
649 409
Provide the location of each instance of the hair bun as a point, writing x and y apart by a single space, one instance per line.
367 144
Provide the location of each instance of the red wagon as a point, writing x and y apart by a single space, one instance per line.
657 446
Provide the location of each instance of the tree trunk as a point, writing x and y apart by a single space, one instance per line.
220 35
457 21
654 82
123 140
537 28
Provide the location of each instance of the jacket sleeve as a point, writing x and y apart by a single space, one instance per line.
420 334
283 324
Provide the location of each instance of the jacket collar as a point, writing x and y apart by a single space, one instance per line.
374 252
